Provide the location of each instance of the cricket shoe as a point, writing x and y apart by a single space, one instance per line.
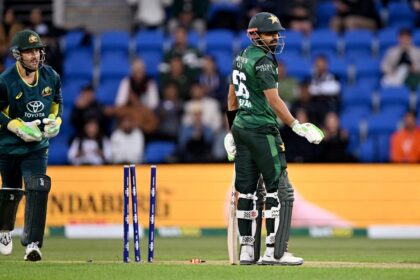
32 253
247 255
6 243
286 259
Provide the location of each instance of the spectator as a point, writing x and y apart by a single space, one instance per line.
401 64
253 7
225 16
298 15
355 14
37 23
405 143
179 76
211 115
288 86
169 114
304 100
189 55
334 146
85 108
149 14
8 28
139 85
92 148
190 14
127 142
195 138
213 83
324 89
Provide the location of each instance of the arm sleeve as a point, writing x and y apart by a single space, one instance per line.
266 74
4 104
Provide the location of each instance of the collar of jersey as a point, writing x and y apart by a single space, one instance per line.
29 85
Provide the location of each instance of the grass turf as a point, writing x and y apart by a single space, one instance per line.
325 258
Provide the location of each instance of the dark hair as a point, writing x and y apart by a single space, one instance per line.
405 31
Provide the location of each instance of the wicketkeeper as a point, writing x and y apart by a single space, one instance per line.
31 108
255 143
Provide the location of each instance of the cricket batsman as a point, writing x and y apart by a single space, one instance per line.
31 108
255 144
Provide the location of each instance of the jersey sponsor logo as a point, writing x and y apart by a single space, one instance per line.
19 95
35 109
46 91
264 67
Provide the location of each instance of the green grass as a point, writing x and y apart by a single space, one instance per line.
329 258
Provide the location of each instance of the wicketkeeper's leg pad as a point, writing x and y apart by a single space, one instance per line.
9 203
286 197
37 189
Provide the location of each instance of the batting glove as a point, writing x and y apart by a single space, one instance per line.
230 146
52 126
27 131
312 133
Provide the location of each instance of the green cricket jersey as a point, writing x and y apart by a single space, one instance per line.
254 71
19 99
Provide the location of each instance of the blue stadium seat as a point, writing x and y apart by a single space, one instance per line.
394 96
70 91
387 37
159 151
382 124
297 67
151 59
324 12
294 42
107 92
78 65
367 70
358 43
356 96
244 41
351 120
324 40
220 40
400 14
375 149
114 66
194 39
149 40
340 68
73 40
115 41
416 37
223 60
57 153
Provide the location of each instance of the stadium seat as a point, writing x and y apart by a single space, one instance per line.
148 40
107 92
73 40
351 120
151 59
115 41
244 41
358 43
297 67
356 96
57 152
340 68
219 40
159 151
375 149
78 65
70 91
223 61
367 70
114 66
324 40
394 96
400 15
294 42
324 12
416 37
387 37
382 124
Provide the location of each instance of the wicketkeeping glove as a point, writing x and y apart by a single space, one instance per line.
52 126
27 131
312 133
230 146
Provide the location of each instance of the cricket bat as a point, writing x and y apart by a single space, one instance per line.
232 231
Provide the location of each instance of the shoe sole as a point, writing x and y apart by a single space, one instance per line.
279 263
33 256
247 262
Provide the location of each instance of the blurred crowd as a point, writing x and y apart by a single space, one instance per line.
184 104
